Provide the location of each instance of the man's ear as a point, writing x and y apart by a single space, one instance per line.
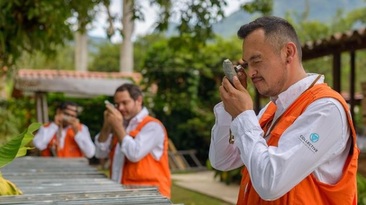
290 52
139 100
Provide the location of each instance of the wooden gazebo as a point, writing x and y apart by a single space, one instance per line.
73 83
350 42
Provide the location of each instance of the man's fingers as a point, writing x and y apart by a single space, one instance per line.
227 84
112 109
109 107
243 78
238 84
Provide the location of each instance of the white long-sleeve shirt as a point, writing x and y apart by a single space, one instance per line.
276 170
82 138
149 140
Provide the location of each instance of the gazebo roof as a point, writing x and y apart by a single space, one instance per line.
338 42
78 83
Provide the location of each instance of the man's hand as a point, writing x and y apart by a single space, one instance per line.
113 120
236 98
75 123
112 116
242 76
58 119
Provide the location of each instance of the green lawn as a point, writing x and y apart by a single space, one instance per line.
184 196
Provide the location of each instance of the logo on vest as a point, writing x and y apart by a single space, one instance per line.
313 138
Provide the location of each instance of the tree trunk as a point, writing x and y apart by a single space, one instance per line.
126 53
81 51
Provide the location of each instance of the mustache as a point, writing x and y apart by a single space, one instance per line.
256 78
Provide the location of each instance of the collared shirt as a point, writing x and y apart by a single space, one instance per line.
82 138
276 170
149 140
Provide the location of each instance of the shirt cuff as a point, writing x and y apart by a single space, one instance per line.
53 126
223 118
103 146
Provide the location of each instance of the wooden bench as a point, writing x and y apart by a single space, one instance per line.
183 160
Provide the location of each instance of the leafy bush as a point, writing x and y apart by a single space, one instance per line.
9 150
361 189
228 177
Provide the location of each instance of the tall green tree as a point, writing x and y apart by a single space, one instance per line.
195 19
187 85
31 26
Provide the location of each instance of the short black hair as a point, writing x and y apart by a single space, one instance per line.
132 89
277 30
65 104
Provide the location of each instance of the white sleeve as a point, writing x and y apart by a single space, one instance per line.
85 142
102 148
276 170
149 140
44 136
223 155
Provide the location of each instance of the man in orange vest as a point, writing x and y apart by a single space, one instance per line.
301 148
135 142
65 136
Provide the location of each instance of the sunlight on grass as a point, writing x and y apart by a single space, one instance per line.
187 197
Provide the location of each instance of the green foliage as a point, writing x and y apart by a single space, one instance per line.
188 84
140 47
357 16
17 113
62 60
14 116
17 146
263 6
10 148
312 30
8 125
227 177
195 18
106 59
361 189
29 26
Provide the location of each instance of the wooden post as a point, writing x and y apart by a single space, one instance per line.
42 107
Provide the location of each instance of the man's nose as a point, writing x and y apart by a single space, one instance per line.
251 72
120 107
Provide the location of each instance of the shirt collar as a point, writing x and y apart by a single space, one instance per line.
287 97
140 116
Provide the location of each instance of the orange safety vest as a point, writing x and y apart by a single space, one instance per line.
148 171
70 149
309 191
